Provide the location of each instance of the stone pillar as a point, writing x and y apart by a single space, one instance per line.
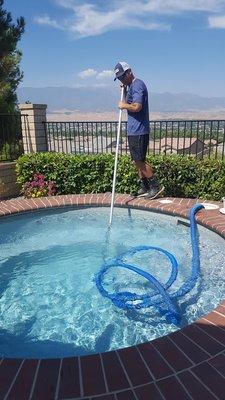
8 186
33 129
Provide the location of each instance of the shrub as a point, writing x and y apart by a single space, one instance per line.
181 176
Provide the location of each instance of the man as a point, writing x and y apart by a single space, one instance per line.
136 104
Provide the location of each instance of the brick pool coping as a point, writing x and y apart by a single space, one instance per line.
187 364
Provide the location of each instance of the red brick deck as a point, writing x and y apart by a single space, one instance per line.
187 364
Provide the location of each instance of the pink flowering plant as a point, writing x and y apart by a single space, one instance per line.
39 187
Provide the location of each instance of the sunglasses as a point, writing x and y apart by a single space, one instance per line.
122 77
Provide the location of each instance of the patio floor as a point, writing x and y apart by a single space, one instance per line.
187 364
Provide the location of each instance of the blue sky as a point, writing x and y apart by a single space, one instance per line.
173 45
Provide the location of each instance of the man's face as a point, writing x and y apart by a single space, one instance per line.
126 78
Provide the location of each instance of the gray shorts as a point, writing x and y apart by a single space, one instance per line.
138 145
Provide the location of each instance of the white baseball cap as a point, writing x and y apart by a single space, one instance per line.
120 68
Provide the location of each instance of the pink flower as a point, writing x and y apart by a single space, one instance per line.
39 187
41 177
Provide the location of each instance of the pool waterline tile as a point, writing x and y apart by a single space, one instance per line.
69 379
26 374
195 387
114 372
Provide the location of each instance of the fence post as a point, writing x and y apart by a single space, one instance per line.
33 130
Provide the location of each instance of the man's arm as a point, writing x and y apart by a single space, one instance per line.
133 107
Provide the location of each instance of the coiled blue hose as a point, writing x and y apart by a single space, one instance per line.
159 296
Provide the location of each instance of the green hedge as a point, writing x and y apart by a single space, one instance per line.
181 176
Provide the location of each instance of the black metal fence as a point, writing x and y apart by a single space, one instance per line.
201 138
11 144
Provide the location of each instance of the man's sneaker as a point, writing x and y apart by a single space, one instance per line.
154 188
142 192
154 192
145 186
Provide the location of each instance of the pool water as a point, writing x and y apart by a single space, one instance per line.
49 304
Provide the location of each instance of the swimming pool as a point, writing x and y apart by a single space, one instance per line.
49 303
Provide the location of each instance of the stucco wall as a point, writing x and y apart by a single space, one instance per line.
8 185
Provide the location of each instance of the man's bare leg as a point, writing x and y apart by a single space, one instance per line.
144 170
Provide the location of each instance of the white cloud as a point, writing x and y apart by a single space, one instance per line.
217 21
91 73
89 21
46 20
105 74
179 6
96 17
87 73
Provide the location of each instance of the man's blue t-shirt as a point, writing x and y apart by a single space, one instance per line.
138 122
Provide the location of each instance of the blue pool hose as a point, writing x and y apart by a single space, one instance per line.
160 296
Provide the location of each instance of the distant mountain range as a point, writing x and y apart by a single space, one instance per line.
101 99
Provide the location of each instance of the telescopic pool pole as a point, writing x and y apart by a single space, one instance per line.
116 160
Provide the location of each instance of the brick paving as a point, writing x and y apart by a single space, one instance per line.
186 364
